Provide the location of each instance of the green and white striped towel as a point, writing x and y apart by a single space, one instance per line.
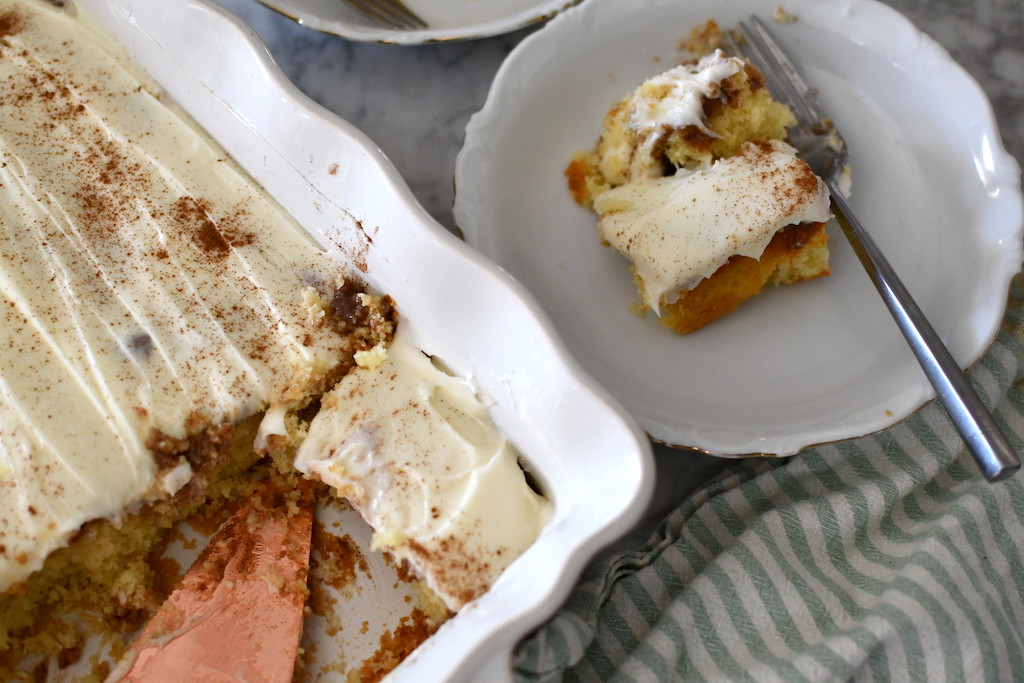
883 558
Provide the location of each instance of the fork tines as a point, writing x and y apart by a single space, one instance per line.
766 51
389 14
754 42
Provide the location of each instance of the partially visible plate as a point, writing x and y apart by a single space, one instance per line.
811 363
445 19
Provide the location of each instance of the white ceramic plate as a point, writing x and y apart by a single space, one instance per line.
801 365
590 456
445 19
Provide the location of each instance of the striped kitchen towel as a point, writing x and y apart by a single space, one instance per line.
882 558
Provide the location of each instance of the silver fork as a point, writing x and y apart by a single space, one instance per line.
389 14
818 142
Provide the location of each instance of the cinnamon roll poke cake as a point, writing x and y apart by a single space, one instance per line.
172 338
693 182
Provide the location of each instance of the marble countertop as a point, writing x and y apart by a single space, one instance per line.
373 85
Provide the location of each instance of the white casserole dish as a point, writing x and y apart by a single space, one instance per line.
592 459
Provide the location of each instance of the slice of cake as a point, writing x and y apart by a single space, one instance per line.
414 451
692 181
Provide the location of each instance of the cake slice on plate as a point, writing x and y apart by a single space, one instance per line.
692 181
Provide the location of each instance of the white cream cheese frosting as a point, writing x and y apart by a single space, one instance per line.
414 451
675 98
148 289
679 229
672 100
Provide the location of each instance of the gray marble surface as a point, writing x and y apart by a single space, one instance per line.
415 101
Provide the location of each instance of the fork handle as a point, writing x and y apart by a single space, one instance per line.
987 443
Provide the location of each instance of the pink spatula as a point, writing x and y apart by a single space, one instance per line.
237 614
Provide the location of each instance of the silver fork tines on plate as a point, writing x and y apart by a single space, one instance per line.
391 14
818 142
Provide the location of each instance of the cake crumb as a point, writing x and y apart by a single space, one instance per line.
315 305
782 16
703 39
371 358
